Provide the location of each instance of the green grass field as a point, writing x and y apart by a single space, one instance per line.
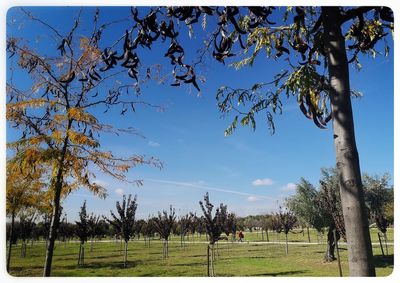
250 258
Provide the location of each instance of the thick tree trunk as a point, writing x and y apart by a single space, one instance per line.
11 239
347 162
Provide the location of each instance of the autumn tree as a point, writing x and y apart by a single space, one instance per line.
56 115
330 204
82 231
24 189
125 221
323 37
215 224
164 224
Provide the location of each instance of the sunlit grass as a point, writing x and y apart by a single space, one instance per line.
233 259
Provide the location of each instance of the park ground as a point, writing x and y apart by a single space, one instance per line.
253 257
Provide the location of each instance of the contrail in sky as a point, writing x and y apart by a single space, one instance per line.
206 188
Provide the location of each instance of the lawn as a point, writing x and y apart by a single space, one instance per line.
250 258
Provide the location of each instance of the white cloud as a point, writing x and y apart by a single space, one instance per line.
253 198
119 191
263 182
153 144
289 187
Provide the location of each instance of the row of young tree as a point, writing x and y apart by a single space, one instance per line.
123 225
309 207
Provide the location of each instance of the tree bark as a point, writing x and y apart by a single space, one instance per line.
55 217
53 231
380 243
11 239
337 252
385 237
347 162
330 249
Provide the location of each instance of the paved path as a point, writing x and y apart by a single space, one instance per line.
222 242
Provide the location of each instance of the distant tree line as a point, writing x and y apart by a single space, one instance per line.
310 207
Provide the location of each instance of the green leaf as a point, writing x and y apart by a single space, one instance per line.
231 127
245 120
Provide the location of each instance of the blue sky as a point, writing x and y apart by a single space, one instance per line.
249 171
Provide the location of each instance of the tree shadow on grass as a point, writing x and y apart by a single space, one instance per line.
190 264
383 260
109 265
198 255
283 273
112 265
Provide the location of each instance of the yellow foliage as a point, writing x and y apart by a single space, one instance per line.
36 140
314 97
89 53
57 136
83 43
34 103
59 118
79 115
23 186
79 138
